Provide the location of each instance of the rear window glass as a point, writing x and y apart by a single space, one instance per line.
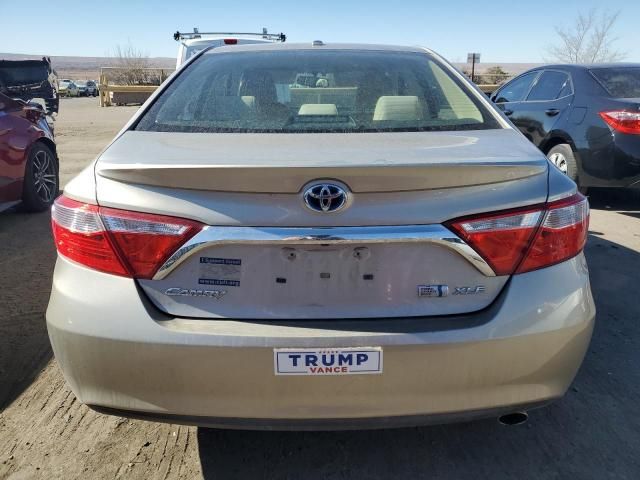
619 82
315 91
17 74
515 90
194 50
549 86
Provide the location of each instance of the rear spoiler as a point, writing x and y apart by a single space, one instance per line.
274 37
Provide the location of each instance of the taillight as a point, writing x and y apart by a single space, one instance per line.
116 241
561 236
230 41
623 121
80 236
519 241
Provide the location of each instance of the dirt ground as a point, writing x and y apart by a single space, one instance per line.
593 433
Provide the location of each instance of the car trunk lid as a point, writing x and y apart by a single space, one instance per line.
265 255
283 163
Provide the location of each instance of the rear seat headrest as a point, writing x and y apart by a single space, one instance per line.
249 100
398 108
318 109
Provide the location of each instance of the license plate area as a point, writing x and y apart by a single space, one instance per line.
332 280
327 361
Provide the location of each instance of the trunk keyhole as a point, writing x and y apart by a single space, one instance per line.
290 254
361 253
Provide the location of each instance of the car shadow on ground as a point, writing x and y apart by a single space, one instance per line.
27 257
590 433
624 201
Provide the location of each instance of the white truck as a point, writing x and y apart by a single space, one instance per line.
193 42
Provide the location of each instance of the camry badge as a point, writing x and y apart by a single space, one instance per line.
193 292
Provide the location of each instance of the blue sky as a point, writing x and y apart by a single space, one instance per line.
509 31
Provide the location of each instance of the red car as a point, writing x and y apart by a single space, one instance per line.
28 160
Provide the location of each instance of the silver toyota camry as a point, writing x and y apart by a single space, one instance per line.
319 237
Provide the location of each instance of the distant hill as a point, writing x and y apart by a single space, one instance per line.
82 68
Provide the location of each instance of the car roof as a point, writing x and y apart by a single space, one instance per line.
205 40
585 66
310 46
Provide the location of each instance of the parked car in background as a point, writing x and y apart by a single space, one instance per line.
322 237
92 88
585 118
30 79
82 88
194 42
68 88
28 160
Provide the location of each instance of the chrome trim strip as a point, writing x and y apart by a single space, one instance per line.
211 236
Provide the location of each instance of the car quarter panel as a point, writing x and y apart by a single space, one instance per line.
606 157
20 127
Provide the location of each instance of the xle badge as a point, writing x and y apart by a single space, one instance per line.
469 290
443 290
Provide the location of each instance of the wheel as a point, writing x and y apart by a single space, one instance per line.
41 180
563 158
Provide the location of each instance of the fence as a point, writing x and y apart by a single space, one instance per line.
489 82
121 86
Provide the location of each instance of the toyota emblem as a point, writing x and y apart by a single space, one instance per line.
325 197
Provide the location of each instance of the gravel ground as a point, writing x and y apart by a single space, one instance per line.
45 433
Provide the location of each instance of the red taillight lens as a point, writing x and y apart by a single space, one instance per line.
230 41
115 241
80 236
519 241
623 121
501 238
561 236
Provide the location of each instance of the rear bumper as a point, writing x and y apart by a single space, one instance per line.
312 424
614 165
120 355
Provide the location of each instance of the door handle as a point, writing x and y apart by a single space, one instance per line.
552 112
507 112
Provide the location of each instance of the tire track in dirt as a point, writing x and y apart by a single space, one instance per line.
47 433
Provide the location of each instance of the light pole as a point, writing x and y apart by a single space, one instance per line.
473 58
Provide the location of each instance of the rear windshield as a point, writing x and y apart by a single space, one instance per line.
315 91
621 82
23 74
194 50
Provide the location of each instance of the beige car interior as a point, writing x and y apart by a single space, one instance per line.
318 109
398 108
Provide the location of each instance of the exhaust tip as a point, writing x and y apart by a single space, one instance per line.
515 418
